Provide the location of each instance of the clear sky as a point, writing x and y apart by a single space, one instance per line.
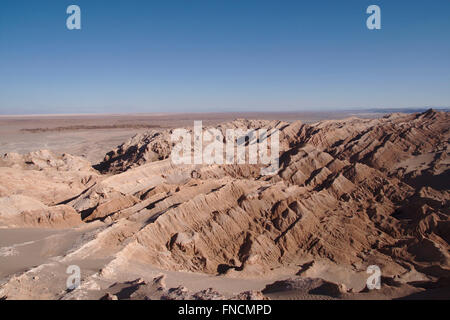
222 55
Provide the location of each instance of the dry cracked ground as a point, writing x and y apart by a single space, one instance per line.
349 194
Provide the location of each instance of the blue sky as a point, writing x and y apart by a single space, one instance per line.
222 55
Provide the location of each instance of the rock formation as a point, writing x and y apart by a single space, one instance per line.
348 194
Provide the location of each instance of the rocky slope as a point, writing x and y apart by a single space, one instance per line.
35 186
348 194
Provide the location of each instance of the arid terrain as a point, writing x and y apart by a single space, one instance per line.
101 193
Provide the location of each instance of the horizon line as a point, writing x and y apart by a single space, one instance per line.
371 110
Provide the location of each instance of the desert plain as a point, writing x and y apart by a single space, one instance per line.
100 192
